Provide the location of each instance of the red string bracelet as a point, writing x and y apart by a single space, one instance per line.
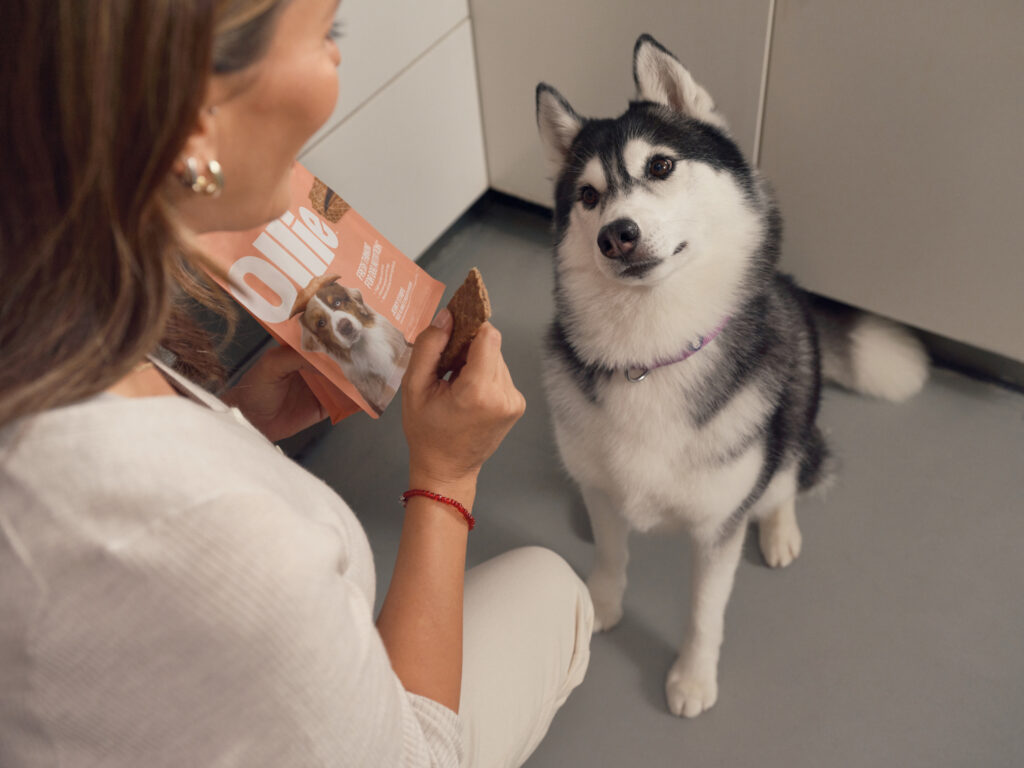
443 499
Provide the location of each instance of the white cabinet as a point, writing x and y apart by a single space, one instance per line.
584 48
892 136
405 144
382 38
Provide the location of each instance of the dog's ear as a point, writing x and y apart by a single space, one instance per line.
660 78
310 342
307 293
557 122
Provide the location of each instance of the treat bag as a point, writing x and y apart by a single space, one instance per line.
322 280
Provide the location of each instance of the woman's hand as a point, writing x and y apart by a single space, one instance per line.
453 427
273 396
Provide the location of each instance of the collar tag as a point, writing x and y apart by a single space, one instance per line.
638 373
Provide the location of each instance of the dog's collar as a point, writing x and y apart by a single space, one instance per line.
638 373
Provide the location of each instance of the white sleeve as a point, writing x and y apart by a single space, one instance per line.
228 634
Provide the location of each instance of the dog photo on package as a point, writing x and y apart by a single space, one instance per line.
336 322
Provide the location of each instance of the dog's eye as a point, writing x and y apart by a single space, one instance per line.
589 196
336 303
660 167
321 323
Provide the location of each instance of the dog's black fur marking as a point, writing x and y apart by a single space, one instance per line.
794 419
588 377
690 139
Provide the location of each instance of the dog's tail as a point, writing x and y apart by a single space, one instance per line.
867 353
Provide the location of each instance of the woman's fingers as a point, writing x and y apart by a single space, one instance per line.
422 368
453 427
484 361
487 377
280 361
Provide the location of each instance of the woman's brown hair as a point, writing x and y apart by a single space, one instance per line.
98 99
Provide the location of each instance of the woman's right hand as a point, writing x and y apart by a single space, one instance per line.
453 427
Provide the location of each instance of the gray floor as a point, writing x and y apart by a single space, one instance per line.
896 639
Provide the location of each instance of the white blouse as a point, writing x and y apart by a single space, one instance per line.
176 592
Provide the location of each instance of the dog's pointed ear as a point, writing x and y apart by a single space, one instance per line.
557 122
660 78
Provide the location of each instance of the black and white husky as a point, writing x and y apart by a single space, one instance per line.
682 371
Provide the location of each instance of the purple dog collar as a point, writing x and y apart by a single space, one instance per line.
691 349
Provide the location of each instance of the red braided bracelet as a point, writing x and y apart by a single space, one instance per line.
443 499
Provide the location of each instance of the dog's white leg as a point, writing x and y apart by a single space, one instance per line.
779 535
607 580
692 683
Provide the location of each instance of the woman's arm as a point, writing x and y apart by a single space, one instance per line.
452 428
421 619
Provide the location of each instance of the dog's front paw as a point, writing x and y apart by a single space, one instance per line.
606 595
780 539
691 688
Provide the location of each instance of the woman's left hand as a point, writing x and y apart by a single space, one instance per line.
273 396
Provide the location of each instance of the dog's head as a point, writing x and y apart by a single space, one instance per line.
661 188
333 318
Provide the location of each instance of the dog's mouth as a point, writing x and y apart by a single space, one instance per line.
639 268
644 265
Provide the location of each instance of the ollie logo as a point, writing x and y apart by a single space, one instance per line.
295 250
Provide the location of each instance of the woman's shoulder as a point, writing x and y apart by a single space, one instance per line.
110 445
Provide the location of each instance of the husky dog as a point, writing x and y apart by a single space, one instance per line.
682 371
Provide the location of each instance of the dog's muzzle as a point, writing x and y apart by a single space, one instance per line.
346 328
619 239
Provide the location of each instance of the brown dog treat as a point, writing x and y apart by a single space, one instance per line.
470 308
326 201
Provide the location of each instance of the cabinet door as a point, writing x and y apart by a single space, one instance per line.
584 48
411 160
892 133
380 39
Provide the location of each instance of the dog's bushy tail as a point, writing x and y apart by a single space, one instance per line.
867 353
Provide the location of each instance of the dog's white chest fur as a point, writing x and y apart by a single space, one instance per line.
375 351
640 445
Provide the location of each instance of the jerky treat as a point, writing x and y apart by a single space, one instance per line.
470 308
325 202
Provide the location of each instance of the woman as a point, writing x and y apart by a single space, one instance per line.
173 591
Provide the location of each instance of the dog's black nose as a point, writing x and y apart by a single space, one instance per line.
618 239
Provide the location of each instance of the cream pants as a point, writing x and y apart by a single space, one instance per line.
526 644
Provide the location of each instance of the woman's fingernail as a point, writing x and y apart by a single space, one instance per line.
443 319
